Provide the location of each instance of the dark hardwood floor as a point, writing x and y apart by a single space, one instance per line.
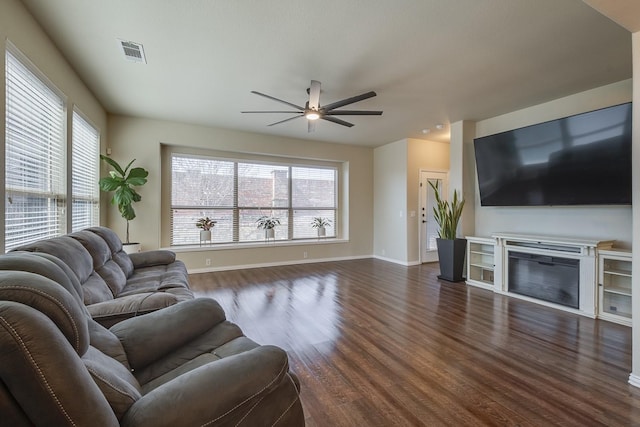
378 344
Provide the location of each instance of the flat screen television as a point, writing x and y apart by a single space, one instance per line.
578 160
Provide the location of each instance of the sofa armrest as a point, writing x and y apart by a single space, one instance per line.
110 312
220 392
151 258
148 338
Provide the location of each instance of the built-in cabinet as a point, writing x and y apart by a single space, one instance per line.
600 273
481 262
614 287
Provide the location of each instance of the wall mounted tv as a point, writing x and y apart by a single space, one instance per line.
579 160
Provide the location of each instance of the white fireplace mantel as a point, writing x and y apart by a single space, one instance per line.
584 250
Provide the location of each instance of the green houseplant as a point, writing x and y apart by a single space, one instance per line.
321 223
451 250
205 224
122 182
268 223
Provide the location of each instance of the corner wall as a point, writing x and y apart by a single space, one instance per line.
397 169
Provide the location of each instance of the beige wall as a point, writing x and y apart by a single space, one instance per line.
17 26
390 201
397 169
606 222
142 138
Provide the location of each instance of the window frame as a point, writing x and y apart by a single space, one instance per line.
89 174
261 160
52 138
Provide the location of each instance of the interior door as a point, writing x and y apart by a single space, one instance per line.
428 226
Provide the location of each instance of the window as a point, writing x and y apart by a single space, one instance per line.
236 193
34 158
85 193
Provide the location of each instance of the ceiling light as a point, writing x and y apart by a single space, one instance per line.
439 126
426 131
312 115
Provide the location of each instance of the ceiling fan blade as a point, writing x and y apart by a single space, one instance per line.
314 95
278 100
338 121
311 126
353 113
286 120
348 101
281 112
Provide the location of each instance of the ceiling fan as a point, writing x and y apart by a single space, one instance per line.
314 111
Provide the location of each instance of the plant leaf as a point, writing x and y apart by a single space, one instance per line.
112 163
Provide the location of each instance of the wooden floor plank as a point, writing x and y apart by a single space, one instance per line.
378 344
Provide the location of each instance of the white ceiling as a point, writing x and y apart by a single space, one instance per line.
430 61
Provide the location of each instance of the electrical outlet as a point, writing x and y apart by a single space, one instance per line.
207 261
304 254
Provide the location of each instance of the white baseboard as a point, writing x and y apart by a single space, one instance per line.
634 380
397 261
272 264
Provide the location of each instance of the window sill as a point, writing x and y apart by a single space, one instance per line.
252 245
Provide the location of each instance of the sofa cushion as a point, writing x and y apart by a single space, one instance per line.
51 300
115 381
118 255
103 264
80 262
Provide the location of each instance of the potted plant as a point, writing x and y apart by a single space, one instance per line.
268 223
122 182
451 250
205 224
321 223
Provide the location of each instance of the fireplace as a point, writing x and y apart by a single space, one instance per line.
547 278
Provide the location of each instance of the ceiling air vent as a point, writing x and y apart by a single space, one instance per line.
133 51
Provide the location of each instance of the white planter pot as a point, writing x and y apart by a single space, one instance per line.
131 248
322 232
205 235
269 233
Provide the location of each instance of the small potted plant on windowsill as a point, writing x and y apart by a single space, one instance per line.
268 223
205 224
321 223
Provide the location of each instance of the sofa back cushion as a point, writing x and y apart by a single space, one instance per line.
103 264
115 244
50 299
80 262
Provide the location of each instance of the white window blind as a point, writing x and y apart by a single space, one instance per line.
313 194
201 187
236 193
35 157
85 193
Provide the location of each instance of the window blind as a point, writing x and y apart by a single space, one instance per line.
85 193
34 157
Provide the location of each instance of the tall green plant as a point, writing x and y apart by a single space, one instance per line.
121 182
447 215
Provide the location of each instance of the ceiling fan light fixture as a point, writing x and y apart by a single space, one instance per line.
312 115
